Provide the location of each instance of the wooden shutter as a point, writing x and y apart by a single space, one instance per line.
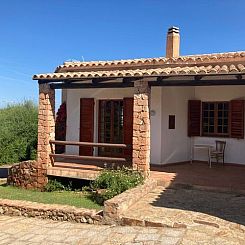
237 119
128 105
86 125
194 117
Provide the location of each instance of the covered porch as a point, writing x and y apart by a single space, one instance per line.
142 112
142 141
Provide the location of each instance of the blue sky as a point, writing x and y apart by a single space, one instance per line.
36 36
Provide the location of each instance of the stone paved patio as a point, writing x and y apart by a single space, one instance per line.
213 213
20 230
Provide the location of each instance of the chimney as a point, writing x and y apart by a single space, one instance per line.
173 42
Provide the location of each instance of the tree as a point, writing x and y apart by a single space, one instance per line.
18 132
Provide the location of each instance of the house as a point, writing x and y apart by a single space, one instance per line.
158 106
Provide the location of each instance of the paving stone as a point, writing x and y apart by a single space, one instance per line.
3 236
147 237
134 243
6 241
25 237
170 240
38 238
48 232
174 232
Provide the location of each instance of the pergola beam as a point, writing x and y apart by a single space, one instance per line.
172 80
200 82
90 85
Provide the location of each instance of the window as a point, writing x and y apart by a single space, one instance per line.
215 118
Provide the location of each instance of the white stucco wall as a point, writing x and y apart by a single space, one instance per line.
167 145
175 142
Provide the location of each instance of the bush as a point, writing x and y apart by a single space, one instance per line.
55 185
18 132
113 182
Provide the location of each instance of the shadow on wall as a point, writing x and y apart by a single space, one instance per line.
181 193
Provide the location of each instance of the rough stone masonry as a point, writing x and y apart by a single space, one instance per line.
141 127
46 130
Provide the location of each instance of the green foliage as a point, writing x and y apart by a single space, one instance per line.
18 132
55 185
113 182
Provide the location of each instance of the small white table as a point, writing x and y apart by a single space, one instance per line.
202 146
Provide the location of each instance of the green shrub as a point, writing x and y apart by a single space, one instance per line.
54 185
18 132
113 182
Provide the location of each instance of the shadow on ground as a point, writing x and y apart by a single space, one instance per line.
229 206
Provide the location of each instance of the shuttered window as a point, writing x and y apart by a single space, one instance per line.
216 118
237 119
194 117
86 125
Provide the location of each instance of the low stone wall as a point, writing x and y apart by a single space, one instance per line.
50 211
27 175
115 207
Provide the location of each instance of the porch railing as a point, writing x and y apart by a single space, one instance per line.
92 144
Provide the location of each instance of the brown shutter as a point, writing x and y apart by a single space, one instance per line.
237 119
86 125
194 117
128 104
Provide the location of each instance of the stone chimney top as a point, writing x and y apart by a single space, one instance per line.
173 42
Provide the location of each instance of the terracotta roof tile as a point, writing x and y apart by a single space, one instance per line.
191 59
220 63
168 71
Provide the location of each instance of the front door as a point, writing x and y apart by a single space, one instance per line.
110 126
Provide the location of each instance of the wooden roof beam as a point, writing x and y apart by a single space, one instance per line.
90 85
210 82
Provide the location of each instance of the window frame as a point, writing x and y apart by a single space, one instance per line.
215 133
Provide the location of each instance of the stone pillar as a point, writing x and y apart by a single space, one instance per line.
141 127
46 130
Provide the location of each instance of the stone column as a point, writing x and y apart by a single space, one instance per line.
46 130
141 127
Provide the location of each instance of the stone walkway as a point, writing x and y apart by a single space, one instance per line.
20 230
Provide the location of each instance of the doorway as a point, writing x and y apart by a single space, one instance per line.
110 126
